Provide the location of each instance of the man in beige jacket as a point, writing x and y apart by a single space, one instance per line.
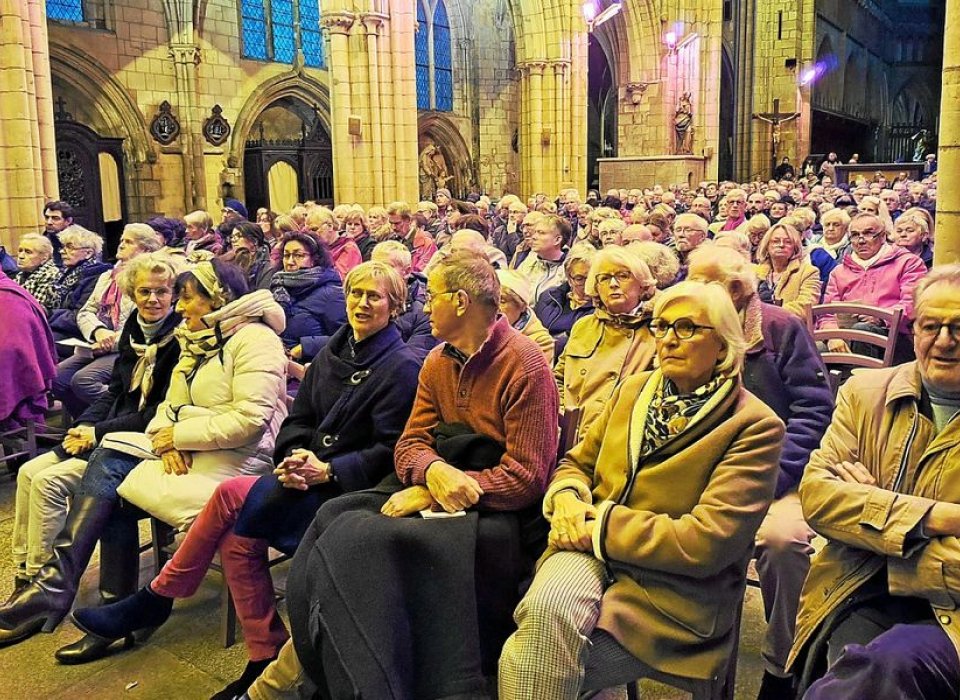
880 604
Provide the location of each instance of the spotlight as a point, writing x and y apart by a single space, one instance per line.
594 16
670 39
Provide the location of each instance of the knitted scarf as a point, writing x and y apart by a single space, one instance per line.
109 310
671 412
288 285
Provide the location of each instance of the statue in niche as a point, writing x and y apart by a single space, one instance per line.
683 126
433 171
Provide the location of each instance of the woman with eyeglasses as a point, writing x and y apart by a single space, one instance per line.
82 268
612 343
307 286
652 517
787 278
559 308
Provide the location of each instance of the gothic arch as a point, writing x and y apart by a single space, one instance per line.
446 135
112 103
296 84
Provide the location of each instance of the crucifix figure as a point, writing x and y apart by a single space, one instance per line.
775 119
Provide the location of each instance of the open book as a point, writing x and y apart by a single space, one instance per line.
129 443
81 348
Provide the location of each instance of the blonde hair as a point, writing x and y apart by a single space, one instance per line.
382 273
763 252
662 261
714 298
200 219
157 262
623 257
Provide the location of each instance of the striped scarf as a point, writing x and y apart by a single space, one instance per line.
671 412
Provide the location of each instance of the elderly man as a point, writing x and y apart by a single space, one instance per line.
544 266
37 272
892 200
874 273
736 209
56 217
783 369
879 604
477 444
702 207
689 231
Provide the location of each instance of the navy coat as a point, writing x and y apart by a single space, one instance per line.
315 312
786 372
63 319
553 310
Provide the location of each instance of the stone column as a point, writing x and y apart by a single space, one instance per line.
372 24
186 58
337 26
533 150
947 248
28 168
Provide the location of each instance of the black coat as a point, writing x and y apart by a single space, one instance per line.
118 409
348 413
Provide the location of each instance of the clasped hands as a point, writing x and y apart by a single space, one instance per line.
572 523
174 461
79 439
302 469
105 341
447 486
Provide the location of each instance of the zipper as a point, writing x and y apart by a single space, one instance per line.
902 470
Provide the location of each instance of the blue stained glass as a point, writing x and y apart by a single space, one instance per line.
422 57
284 41
311 40
65 10
442 59
253 26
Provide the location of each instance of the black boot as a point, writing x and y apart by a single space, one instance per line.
776 687
120 555
140 613
239 687
47 599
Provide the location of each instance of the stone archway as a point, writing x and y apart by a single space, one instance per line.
438 130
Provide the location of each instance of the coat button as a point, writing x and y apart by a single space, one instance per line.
583 372
944 619
463 392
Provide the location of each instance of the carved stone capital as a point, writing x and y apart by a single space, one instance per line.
338 22
372 22
185 53
633 92
559 66
532 67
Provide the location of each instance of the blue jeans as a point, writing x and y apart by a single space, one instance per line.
106 470
81 380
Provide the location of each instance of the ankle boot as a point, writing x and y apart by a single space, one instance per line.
47 599
141 613
120 556
239 687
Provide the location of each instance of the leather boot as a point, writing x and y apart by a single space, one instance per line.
43 603
120 555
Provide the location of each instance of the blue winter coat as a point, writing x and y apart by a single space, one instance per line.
414 325
314 311
553 310
63 320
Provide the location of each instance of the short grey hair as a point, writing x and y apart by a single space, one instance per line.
715 299
940 274
617 225
837 213
623 257
80 237
473 273
694 220
41 241
156 262
144 237
728 264
662 261
396 252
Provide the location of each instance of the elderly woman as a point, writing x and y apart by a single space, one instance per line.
612 343
146 354
82 378
516 294
787 279
610 232
201 234
251 253
339 437
559 308
913 230
219 419
81 269
833 245
652 517
37 272
308 288
343 251
663 261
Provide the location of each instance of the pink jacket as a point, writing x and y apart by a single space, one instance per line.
345 255
886 284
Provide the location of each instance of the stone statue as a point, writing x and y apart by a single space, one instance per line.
683 126
923 144
433 171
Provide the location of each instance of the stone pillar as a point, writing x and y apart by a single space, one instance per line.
403 127
28 168
337 26
947 248
186 58
372 24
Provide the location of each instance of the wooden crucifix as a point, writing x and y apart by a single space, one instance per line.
775 119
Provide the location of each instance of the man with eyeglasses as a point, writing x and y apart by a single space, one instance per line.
736 209
689 231
879 607
875 273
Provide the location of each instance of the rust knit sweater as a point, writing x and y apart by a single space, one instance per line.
504 391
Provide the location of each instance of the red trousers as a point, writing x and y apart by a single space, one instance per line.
244 562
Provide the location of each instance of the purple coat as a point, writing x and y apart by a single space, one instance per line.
786 372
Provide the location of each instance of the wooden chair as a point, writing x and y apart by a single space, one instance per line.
26 435
888 343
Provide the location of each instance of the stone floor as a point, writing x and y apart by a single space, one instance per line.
185 660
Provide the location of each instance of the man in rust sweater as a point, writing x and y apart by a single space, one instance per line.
488 377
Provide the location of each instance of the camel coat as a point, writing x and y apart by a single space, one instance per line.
878 422
798 287
676 530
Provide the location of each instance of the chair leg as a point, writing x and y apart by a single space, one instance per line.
162 535
228 617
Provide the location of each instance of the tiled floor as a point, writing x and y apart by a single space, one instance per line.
184 659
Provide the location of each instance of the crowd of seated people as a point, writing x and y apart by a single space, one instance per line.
439 347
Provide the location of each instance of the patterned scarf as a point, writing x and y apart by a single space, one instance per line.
288 285
142 378
109 311
671 412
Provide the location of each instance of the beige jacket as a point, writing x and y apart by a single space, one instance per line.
598 355
798 287
679 544
877 422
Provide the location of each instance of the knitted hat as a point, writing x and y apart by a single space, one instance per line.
516 283
237 206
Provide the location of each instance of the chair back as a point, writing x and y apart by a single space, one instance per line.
891 318
569 424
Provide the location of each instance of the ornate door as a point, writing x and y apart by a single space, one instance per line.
78 169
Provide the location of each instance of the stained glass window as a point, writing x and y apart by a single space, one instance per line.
311 40
65 10
253 27
284 39
422 55
442 60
